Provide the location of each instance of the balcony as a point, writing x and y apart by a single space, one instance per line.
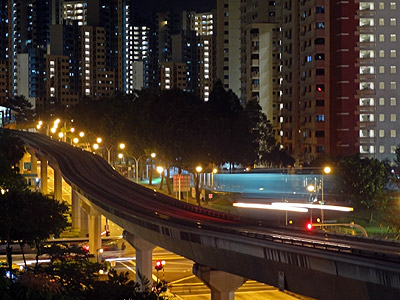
366 124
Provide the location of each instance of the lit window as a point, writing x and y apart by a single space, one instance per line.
381 69
393 53
381 149
381 133
381 37
381 22
381 117
393 133
381 85
392 37
381 101
393 101
381 53
381 5
392 69
393 21
393 85
393 5
393 117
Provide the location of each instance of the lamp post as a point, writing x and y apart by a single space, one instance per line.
326 170
311 188
197 183
160 170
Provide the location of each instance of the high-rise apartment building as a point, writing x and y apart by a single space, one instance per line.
317 110
32 37
58 81
184 37
204 28
74 11
227 48
339 85
260 55
98 80
173 76
7 50
378 83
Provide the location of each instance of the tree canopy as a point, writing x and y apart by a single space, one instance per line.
363 181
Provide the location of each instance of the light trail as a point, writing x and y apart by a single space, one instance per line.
313 206
271 207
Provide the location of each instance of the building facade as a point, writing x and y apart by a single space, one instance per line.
227 44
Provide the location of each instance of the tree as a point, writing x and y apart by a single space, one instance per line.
23 109
29 217
12 149
363 181
261 131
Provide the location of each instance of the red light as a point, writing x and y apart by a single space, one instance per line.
86 248
319 89
159 265
309 226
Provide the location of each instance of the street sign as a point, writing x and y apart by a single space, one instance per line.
183 185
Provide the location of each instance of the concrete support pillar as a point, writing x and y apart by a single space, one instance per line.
33 163
43 176
84 223
95 234
57 184
76 209
144 253
222 285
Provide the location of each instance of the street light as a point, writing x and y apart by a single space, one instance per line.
311 188
326 170
199 169
152 155
122 146
75 140
60 135
160 169
99 140
95 146
81 134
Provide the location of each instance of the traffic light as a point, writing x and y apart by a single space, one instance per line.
309 226
159 265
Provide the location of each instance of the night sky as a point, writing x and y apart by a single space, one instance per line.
149 6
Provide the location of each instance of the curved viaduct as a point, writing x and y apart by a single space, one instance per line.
225 247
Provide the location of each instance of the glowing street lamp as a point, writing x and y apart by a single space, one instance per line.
75 140
72 129
99 140
60 135
153 155
160 169
120 155
53 130
311 188
199 169
327 170
95 146
81 134
122 146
